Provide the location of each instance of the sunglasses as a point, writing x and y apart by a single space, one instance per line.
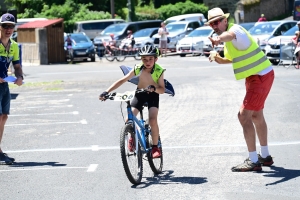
7 26
215 23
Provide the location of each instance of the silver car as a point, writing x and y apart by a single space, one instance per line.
263 31
177 31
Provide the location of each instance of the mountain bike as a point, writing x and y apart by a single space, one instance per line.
140 131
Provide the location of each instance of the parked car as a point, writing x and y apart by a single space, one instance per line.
247 25
143 36
93 27
120 30
177 31
198 39
186 17
195 41
83 49
281 43
263 31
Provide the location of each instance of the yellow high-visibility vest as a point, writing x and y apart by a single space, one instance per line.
246 62
156 72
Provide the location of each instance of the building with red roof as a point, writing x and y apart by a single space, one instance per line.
42 41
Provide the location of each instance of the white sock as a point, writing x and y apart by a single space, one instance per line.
264 150
253 156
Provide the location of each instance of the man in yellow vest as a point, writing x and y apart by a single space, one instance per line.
251 64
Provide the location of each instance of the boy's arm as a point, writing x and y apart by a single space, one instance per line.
119 82
161 85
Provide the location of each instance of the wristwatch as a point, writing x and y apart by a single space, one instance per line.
21 77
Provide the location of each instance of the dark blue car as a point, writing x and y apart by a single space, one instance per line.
83 47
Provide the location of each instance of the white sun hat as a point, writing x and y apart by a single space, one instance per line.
215 14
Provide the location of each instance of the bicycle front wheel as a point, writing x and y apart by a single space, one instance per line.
131 157
156 164
121 55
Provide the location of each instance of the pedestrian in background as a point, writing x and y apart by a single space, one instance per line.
251 64
9 52
201 21
163 41
262 18
296 41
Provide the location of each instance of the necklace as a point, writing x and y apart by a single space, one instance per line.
7 47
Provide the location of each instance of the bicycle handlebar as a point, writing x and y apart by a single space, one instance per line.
125 96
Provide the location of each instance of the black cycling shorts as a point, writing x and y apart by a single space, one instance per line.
152 98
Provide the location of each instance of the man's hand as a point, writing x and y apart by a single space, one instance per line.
215 41
220 60
2 80
19 81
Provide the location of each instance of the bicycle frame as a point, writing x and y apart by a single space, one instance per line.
139 135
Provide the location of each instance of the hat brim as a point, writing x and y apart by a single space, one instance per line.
8 22
217 18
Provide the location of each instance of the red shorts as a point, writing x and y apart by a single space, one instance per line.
257 90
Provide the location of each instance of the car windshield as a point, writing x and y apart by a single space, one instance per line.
263 28
79 38
200 33
116 29
143 33
175 27
291 31
247 26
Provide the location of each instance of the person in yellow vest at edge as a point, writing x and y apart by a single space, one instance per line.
251 64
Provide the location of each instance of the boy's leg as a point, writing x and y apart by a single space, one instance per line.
153 113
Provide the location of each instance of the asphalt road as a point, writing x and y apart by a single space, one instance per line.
66 142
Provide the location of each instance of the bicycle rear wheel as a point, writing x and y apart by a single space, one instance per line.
132 160
109 55
156 164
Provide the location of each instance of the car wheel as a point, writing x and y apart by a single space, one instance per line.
93 59
182 55
274 62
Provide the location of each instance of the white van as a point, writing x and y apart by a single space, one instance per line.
93 27
186 17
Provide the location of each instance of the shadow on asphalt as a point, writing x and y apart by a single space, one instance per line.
167 177
34 164
13 96
284 174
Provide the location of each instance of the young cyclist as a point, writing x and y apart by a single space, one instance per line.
151 76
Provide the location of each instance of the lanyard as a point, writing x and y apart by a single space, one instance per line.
7 48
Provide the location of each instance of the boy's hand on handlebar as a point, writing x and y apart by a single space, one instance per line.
103 96
151 88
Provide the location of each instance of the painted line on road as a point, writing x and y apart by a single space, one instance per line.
44 100
41 168
97 148
21 115
49 123
92 168
34 107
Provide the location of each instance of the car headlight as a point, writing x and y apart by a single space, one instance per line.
91 48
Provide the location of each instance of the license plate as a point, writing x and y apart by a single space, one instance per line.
80 53
274 51
185 48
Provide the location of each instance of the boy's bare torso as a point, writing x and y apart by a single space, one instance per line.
145 79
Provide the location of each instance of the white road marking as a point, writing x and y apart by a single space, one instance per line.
44 168
21 115
30 107
96 147
44 100
49 123
92 168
